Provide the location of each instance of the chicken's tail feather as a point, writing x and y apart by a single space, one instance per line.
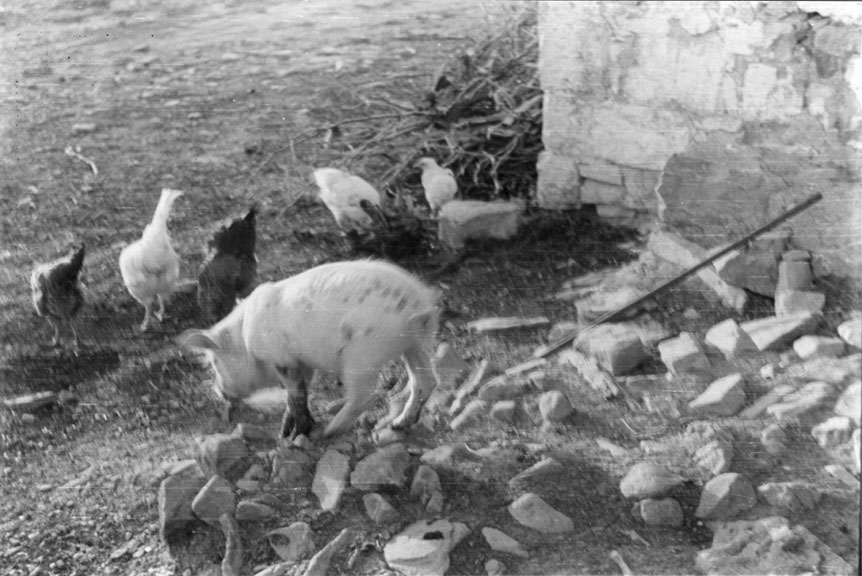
270 400
77 262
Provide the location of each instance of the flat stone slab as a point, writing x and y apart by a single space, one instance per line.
730 339
724 397
531 511
683 354
462 220
774 332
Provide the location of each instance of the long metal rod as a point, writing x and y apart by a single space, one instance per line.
546 349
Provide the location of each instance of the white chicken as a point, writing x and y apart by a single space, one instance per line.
439 183
150 266
342 192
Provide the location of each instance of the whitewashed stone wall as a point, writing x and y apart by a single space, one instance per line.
707 117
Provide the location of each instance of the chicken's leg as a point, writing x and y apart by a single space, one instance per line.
56 340
74 333
146 323
160 314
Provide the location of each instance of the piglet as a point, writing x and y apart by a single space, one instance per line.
344 318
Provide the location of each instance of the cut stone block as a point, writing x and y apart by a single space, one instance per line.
794 275
724 397
616 347
851 332
730 339
810 397
849 404
214 499
648 480
754 270
725 496
761 404
810 346
683 354
774 332
594 192
462 220
664 512
833 432
791 302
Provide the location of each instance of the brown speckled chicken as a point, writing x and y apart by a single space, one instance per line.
230 270
57 292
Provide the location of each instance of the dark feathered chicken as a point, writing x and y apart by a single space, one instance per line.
57 291
396 231
230 270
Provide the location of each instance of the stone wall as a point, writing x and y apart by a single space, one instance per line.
707 118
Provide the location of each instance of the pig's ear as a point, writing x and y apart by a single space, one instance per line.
197 339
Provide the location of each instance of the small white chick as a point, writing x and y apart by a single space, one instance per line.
342 192
439 183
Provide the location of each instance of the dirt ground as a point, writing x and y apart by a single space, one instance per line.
206 97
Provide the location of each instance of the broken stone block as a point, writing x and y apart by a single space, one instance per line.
715 456
664 512
791 496
542 469
683 354
462 220
857 451
502 542
558 181
794 274
506 323
792 302
724 397
840 473
601 172
810 397
761 404
291 466
293 542
833 432
533 512
725 496
423 547
247 511
222 454
731 340
851 332
505 388
616 347
384 468
594 192
774 332
505 411
425 483
754 270
448 366
774 439
471 414
648 480
175 497
600 303
767 546
214 499
330 479
555 406
849 404
833 370
379 509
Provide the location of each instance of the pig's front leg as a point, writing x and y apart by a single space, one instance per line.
421 383
297 418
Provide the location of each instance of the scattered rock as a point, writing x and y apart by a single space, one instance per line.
175 503
494 567
724 397
731 340
425 483
615 450
832 370
293 542
810 397
615 347
767 546
232 561
725 496
790 302
559 330
790 496
83 128
462 220
381 469
849 404
555 406
256 436
502 542
602 302
647 480
319 563
769 371
541 469
471 414
469 386
841 473
505 411
851 332
857 451
330 479
589 369
222 454
767 400
533 512
754 269
422 549
664 512
682 355
715 456
31 402
795 273
448 366
774 439
506 323
526 366
379 509
833 432
247 511
214 499
447 455
291 466
505 388
774 332
809 347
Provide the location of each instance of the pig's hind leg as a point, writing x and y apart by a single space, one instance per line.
421 383
297 418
